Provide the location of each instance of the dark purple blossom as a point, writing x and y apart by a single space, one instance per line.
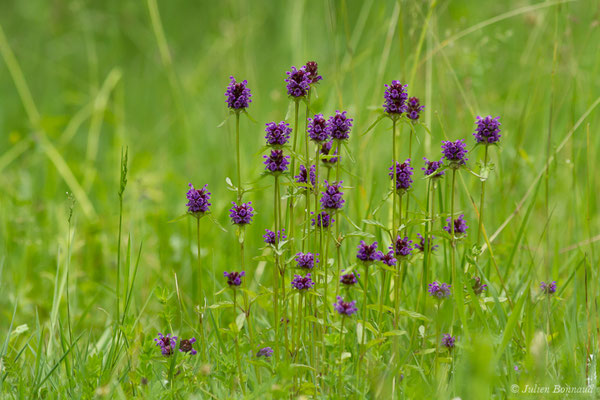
413 108
331 198
234 278
345 308
242 214
395 98
317 128
324 220
302 282
298 82
421 245
432 166
303 175
403 175
186 346
389 259
448 341
276 162
327 159
265 352
306 260
460 226
167 344
368 252
198 200
338 126
238 95
312 70
270 236
477 287
455 152
277 134
402 247
488 130
548 288
439 290
349 279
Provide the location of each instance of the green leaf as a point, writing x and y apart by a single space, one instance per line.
239 321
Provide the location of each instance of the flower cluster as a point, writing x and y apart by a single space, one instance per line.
488 130
460 226
345 308
276 162
306 260
238 95
368 253
198 200
298 82
403 175
186 346
455 152
304 175
421 245
328 160
413 108
242 214
338 126
477 287
331 198
448 341
402 247
270 237
265 352
317 128
234 278
349 279
395 98
167 344
312 70
439 290
302 282
277 134
323 220
389 259
548 288
432 166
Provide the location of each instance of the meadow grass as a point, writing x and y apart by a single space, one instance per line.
109 109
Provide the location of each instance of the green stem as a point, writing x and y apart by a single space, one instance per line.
237 148
237 346
337 221
202 302
453 242
340 386
480 226
276 268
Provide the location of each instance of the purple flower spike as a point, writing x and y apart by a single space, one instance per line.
270 238
421 245
448 341
312 70
324 220
548 288
402 247
403 175
395 98
167 344
242 214
185 346
338 126
432 166
198 200
277 134
455 152
368 253
303 176
345 308
238 95
265 352
439 290
317 128
488 130
331 198
477 287
413 108
276 162
306 260
460 226
325 150
389 259
302 282
349 279
298 82
234 278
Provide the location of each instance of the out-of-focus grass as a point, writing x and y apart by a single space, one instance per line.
101 77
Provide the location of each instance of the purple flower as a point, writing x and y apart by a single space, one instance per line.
166 343
185 346
238 95
477 287
402 247
276 162
303 176
312 70
277 134
302 282
265 352
395 98
338 126
488 130
349 279
298 82
432 166
548 288
344 308
421 245
413 108
198 200
270 236
460 226
324 220
317 128
368 253
439 290
455 152
242 214
389 259
403 175
331 198
448 341
234 278
325 149
306 260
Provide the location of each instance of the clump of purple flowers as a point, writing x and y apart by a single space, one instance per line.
276 162
312 70
421 245
548 288
402 247
455 152
242 214
345 308
317 128
403 175
432 166
270 238
389 259
338 126
477 287
448 341
265 352
325 150
323 220
186 346
331 198
368 253
304 175
167 344
439 290
198 200
302 282
234 278
349 279
277 134
298 82
238 95
395 98
413 108
488 130
306 260
460 226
